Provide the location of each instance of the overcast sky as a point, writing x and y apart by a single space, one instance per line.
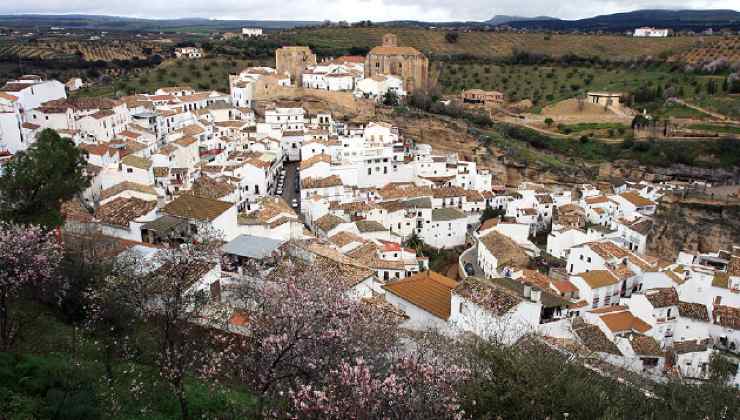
352 10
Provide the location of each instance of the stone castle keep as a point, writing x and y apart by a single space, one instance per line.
408 63
293 60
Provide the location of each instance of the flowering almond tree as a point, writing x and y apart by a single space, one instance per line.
407 388
29 258
164 297
311 344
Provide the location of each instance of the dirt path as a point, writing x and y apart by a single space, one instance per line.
704 110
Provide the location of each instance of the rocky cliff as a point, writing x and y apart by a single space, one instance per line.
695 224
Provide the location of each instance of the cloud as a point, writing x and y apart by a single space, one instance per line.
353 10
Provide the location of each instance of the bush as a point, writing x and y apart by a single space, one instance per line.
451 37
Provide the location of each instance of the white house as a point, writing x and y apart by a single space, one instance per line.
499 256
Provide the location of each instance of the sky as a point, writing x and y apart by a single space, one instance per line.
352 10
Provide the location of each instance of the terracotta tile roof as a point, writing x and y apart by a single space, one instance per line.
564 286
697 311
624 321
161 171
608 249
389 50
30 126
597 200
345 238
488 224
328 222
137 162
535 278
674 277
599 278
8 97
726 316
446 214
192 130
593 338
193 207
103 113
95 149
506 251
186 141
662 297
366 226
733 268
73 210
691 346
644 345
428 290
120 211
636 199
127 186
497 300
448 192
378 303
329 181
208 187
305 164
641 226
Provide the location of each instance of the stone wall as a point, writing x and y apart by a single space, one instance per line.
293 60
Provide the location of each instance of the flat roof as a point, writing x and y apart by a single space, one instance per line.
251 246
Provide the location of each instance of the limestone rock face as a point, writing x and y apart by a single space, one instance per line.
693 224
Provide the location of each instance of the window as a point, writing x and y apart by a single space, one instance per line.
129 170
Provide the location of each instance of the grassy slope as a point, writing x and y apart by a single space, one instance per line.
55 373
490 44
205 74
524 144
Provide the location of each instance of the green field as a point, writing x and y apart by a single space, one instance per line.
205 74
489 44
57 373
728 129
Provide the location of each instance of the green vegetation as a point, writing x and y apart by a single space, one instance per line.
717 128
36 182
55 374
528 145
577 128
204 74
487 45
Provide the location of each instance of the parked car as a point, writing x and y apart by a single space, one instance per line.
295 203
469 269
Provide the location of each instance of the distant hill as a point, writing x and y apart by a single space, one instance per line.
118 23
677 20
504 19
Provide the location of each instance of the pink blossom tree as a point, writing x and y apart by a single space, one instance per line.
407 388
29 258
312 344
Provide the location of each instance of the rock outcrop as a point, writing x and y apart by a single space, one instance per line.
695 224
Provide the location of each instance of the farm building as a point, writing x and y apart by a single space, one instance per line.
479 96
610 99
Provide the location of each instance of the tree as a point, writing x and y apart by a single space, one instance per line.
491 213
409 388
163 297
29 258
549 121
390 98
36 182
451 37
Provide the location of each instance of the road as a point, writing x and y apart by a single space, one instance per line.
470 255
291 180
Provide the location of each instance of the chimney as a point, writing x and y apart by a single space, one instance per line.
717 300
536 295
527 291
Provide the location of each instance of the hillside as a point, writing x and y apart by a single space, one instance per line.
118 23
696 20
488 44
